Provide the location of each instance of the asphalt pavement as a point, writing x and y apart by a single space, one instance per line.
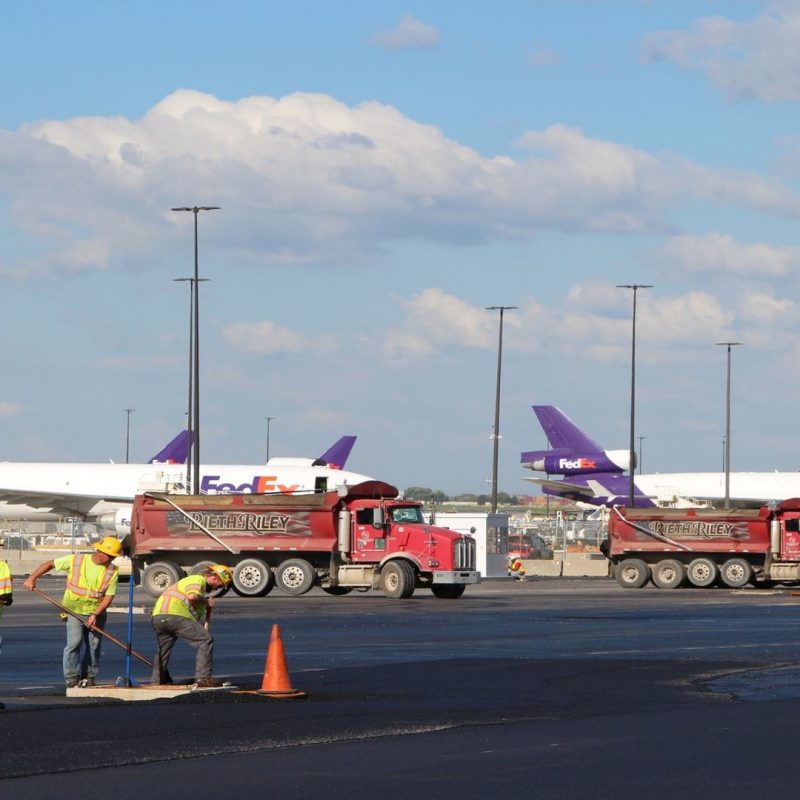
561 688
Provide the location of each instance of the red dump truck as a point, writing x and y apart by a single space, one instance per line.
703 546
362 538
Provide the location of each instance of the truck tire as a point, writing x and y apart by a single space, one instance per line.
632 573
668 574
197 568
735 573
159 576
252 577
448 591
702 572
398 580
295 576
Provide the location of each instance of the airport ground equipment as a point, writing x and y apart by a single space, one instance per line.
359 537
110 636
704 546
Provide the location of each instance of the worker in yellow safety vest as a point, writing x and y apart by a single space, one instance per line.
6 594
6 588
183 612
91 586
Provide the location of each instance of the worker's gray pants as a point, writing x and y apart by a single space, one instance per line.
169 628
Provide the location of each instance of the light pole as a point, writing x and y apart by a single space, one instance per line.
631 451
641 439
268 419
128 411
189 415
194 445
501 309
727 455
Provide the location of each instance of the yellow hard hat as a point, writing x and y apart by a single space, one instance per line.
110 546
223 573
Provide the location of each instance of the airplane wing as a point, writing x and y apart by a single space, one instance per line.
64 504
562 487
699 500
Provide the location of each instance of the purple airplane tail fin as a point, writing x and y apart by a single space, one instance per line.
176 452
561 431
337 454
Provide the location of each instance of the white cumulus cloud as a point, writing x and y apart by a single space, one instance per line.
263 338
408 33
307 178
718 252
757 58
591 321
767 310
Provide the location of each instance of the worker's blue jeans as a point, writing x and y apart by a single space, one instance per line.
82 653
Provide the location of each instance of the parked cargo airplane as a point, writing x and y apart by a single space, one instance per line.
595 476
103 493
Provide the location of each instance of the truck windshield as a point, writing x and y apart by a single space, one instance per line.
407 514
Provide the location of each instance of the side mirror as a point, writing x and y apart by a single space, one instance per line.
377 518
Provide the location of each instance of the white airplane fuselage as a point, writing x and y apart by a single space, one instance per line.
743 486
104 493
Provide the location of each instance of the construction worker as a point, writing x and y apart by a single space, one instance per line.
6 594
6 588
183 612
91 586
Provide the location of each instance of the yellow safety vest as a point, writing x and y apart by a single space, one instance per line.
87 583
175 600
5 582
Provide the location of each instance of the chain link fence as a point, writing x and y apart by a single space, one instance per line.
559 535
19 536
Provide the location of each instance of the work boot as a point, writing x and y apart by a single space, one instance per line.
71 683
207 683
87 682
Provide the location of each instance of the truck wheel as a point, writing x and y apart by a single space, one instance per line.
632 573
735 573
668 574
397 580
197 568
448 591
252 577
295 576
701 572
337 591
159 576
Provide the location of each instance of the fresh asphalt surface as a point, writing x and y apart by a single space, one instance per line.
556 688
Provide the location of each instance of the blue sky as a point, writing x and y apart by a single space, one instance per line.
385 172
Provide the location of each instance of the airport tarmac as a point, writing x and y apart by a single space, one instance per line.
566 688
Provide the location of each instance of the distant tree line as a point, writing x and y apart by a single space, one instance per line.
426 495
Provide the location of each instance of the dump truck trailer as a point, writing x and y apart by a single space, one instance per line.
704 546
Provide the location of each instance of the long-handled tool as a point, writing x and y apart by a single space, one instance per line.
107 635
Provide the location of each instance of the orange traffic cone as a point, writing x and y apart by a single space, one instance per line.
276 681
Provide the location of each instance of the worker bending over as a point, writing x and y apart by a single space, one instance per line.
182 612
91 586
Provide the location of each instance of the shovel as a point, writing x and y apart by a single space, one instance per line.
106 634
